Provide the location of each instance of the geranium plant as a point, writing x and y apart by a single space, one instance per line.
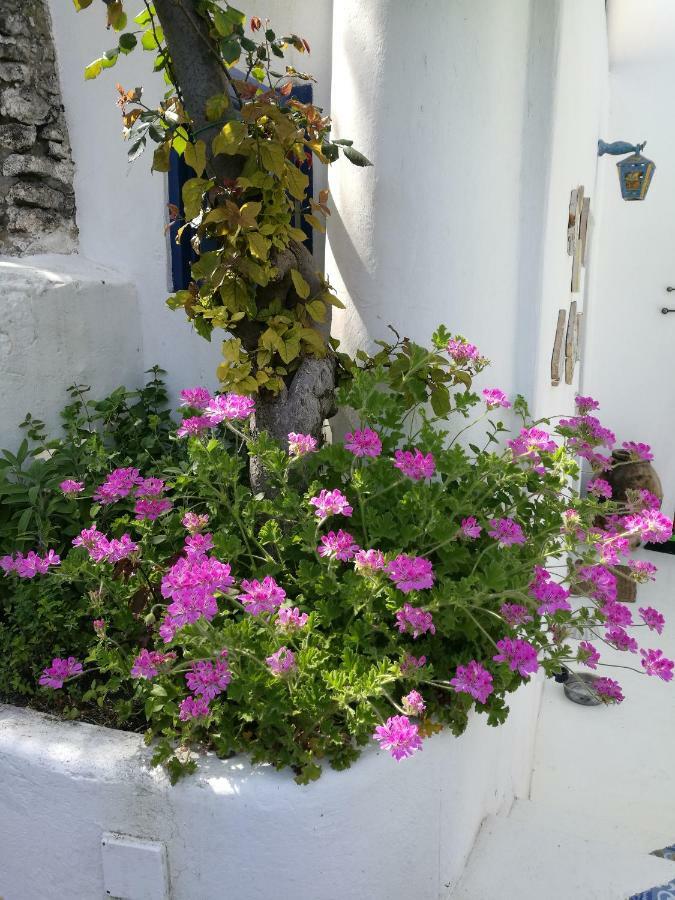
384 586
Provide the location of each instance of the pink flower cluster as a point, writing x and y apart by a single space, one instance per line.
369 561
191 584
282 662
587 430
118 484
331 503
338 545
638 452
599 582
229 407
462 351
588 655
198 544
520 656
197 397
552 597
290 618
208 679
301 444
411 662
193 426
416 621
600 488
60 670
30 565
363 443
473 679
261 596
102 549
148 663
71 487
515 614
399 736
530 444
415 464
194 522
494 398
655 663
608 690
470 528
652 618
413 703
651 525
506 532
193 708
585 405
411 573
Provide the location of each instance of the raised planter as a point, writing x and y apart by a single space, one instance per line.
380 830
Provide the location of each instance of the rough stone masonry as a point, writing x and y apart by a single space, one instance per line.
37 202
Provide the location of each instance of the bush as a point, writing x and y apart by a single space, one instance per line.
380 588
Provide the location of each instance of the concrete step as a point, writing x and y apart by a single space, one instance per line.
520 857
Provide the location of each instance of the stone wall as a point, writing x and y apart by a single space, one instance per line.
37 202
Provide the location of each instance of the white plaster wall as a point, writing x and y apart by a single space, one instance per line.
479 117
121 208
64 320
630 345
380 830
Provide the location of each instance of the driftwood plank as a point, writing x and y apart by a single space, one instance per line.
556 356
571 339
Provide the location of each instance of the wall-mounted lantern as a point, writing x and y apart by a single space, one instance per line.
635 172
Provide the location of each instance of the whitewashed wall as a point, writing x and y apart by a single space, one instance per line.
630 345
381 829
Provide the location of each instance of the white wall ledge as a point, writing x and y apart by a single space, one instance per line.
379 830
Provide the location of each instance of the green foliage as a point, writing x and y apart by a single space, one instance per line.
349 655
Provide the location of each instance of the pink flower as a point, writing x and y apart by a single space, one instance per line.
515 614
301 444
71 487
495 398
194 425
608 690
399 736
282 662
638 451
641 570
198 544
520 656
191 584
118 548
193 708
651 525
617 637
415 464
7 564
369 561
571 519
652 618
600 488
551 595
588 655
167 629
616 613
462 351
412 662
417 621
529 445
261 596
470 528
599 583
147 663
586 429
229 406
60 670
507 532
150 487
101 549
331 503
31 564
363 443
414 704
642 499
118 484
411 573
290 619
151 509
655 663
208 679
197 397
194 522
610 547
99 627
340 545
585 404
473 679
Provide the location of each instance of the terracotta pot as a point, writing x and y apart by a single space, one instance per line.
632 476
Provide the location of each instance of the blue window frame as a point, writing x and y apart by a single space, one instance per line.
182 254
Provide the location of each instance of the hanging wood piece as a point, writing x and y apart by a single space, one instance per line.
571 343
572 223
556 356
583 228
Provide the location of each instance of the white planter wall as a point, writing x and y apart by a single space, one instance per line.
380 831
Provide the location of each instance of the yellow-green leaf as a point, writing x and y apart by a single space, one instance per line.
317 310
327 297
289 350
229 138
315 223
117 18
93 70
195 156
152 38
259 245
272 157
249 213
313 340
296 181
179 143
216 106
300 285
82 4
193 192
161 158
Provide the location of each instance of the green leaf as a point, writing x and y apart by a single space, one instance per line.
149 41
93 70
440 400
272 157
224 25
193 192
216 106
195 156
260 246
229 139
300 285
358 159
296 181
230 49
317 310
161 158
258 73
82 4
127 42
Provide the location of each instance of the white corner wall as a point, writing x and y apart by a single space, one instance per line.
379 830
630 344
64 320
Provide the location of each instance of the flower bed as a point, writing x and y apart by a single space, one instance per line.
380 589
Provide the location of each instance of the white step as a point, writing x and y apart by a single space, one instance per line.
519 858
